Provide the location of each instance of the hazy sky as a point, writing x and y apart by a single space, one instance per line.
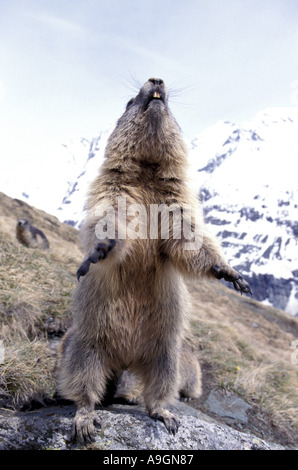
68 67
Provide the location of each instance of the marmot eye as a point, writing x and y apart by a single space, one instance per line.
130 103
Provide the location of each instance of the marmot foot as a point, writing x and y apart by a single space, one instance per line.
83 429
170 421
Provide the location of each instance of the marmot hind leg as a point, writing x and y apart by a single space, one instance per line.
160 382
81 376
130 387
190 376
155 390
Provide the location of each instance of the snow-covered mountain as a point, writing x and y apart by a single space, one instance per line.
246 177
84 158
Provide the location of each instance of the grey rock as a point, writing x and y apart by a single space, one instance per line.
123 428
229 406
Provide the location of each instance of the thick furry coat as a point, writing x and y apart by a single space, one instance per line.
131 306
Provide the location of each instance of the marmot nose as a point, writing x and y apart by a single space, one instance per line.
156 81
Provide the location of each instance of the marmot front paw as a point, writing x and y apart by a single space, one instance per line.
230 275
100 251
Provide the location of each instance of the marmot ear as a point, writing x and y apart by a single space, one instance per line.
130 103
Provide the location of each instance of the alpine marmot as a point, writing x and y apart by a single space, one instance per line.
142 234
31 236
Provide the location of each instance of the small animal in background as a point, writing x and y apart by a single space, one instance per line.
31 236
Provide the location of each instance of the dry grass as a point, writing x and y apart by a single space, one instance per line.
248 346
274 387
36 288
26 373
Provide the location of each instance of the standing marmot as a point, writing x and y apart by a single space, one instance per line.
31 236
131 306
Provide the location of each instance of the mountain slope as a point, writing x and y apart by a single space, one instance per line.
247 181
84 158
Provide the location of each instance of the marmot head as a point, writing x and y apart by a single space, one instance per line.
147 129
152 94
23 223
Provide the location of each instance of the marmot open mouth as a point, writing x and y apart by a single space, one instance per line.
155 96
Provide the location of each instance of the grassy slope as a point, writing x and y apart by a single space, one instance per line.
244 347
36 287
247 346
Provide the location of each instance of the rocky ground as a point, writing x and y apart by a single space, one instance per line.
125 428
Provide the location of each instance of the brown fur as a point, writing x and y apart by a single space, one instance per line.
130 387
31 236
131 307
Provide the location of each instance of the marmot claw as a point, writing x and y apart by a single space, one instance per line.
83 430
230 275
170 421
100 251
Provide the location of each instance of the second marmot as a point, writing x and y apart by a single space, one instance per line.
31 236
